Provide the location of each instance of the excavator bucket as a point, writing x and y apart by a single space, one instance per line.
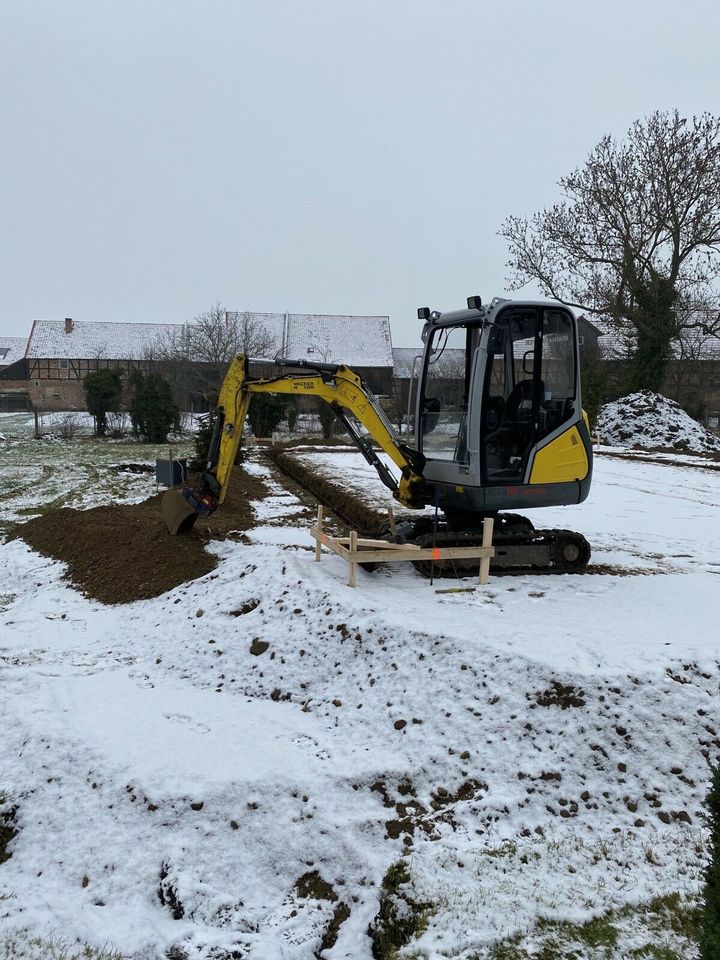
178 514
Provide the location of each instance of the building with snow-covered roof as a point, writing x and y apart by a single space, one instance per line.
60 354
13 390
91 340
12 349
361 342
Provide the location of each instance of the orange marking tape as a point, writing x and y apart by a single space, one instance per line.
323 538
436 553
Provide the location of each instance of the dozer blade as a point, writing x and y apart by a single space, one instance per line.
178 514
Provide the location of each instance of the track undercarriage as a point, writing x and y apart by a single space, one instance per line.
519 547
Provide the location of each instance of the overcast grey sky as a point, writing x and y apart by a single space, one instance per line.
331 157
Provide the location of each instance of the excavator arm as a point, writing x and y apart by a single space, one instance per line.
350 399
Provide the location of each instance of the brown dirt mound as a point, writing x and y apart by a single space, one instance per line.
120 553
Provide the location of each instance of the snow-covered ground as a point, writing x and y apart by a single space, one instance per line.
181 770
36 475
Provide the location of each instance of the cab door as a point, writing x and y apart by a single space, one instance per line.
512 395
447 431
531 399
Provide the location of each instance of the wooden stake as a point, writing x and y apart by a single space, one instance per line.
488 524
318 541
353 558
391 521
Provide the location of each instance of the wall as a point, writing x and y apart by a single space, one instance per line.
14 396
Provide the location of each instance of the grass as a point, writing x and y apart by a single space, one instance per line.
5 600
7 827
40 475
22 946
400 918
669 925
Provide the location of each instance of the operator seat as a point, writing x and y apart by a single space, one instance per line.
509 442
521 393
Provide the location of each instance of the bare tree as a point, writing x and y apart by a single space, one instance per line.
196 355
395 404
253 339
637 234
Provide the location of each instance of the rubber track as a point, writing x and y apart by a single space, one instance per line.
460 568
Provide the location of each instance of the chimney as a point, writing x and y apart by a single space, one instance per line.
69 325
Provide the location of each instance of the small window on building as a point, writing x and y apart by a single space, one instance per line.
714 421
63 364
36 383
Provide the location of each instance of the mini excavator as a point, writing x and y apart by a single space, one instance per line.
498 427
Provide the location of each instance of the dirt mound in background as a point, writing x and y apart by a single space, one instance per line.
120 553
649 421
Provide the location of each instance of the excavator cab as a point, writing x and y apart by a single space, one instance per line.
499 415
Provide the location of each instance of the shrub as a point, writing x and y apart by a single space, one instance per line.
710 920
291 412
152 410
265 413
201 444
117 424
67 426
103 393
327 420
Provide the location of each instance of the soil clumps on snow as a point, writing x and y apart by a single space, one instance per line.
119 553
649 421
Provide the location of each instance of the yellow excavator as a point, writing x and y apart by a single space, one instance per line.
498 425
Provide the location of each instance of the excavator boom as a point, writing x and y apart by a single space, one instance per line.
352 402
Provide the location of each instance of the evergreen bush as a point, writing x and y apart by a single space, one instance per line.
291 412
710 920
201 443
103 394
328 420
265 413
152 410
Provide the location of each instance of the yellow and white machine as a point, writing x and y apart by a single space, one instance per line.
498 425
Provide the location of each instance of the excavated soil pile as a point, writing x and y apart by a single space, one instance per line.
120 553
